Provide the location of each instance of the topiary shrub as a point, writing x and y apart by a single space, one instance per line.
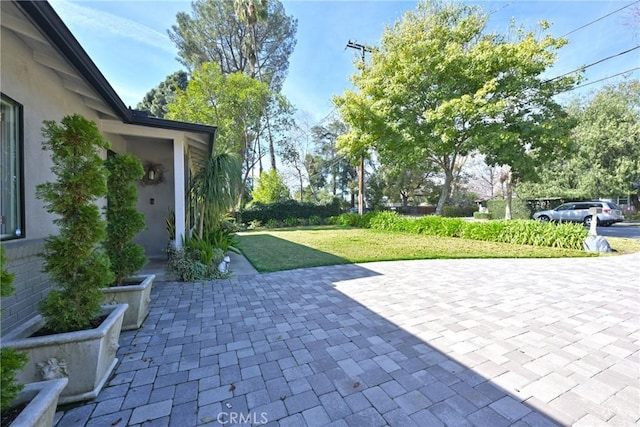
124 221
11 361
75 259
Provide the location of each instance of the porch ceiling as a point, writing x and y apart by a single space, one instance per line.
197 144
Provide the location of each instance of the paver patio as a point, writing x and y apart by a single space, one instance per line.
427 343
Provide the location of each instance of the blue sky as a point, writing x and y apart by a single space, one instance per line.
128 40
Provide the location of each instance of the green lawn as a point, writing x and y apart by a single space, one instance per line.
286 249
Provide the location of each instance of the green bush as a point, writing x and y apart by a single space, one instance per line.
352 220
188 264
74 258
520 232
124 221
519 209
279 211
315 220
458 211
254 224
198 259
11 361
389 221
272 223
290 221
482 215
223 239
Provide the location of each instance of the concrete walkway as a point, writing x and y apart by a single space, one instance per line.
427 343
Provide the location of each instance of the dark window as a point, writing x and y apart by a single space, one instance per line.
12 194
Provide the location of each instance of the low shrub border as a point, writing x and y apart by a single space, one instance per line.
520 232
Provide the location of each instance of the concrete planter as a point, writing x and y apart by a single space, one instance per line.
136 296
86 357
43 399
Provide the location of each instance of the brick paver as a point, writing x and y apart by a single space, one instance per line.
433 342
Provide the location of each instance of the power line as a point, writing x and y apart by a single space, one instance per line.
601 18
584 67
601 79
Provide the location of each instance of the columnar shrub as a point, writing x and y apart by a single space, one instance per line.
124 221
74 258
11 361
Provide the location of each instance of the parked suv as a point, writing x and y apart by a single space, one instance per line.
579 212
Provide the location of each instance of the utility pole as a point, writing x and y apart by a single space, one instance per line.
362 48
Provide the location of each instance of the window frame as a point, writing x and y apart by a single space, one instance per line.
19 108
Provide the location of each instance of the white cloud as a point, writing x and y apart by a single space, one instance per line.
107 23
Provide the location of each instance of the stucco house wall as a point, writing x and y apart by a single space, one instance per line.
50 75
155 238
43 97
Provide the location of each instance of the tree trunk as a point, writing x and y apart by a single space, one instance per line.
446 189
272 151
405 199
508 197
361 186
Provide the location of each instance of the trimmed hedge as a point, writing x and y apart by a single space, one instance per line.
482 215
520 232
284 210
519 209
458 211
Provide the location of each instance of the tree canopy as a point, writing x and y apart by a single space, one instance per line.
216 32
156 100
604 159
232 102
270 188
440 86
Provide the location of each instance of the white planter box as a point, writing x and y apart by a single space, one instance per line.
136 296
43 399
86 357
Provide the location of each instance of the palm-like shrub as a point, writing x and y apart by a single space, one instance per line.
124 221
215 189
74 258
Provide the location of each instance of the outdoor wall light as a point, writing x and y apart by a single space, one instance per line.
223 267
153 174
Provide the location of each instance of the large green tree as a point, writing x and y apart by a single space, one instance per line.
255 37
271 188
217 31
325 137
232 102
156 100
440 86
605 155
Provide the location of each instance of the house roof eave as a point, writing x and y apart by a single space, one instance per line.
55 30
